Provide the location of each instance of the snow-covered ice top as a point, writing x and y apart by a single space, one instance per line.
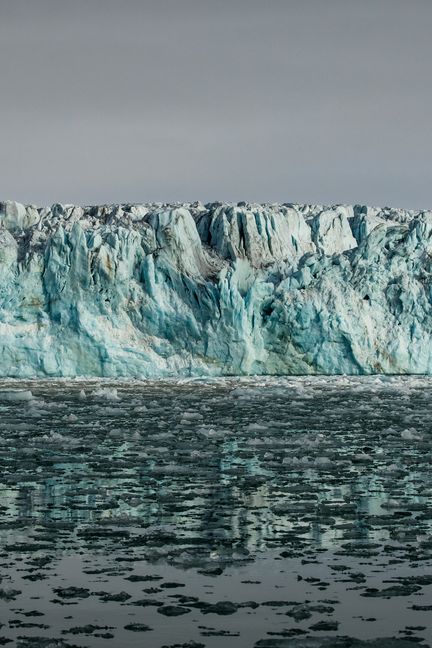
158 289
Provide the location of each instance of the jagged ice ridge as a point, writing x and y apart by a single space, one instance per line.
158 290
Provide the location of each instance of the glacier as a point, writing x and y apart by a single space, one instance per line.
159 290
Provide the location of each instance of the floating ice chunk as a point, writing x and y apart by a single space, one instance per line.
70 417
54 437
190 421
392 504
199 454
322 462
411 435
192 416
112 411
256 427
212 434
17 395
109 393
391 468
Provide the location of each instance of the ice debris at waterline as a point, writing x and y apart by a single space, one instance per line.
264 512
157 290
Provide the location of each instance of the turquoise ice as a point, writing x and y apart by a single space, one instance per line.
161 290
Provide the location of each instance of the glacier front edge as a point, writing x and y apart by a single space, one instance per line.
158 290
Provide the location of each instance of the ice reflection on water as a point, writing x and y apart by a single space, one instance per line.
211 482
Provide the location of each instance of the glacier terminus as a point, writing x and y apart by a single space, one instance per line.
158 290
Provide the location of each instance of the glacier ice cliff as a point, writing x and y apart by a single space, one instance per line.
159 290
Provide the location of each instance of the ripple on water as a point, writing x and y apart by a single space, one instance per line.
268 512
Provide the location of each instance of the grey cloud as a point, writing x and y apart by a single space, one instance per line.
305 100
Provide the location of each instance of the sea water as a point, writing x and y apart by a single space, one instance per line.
264 512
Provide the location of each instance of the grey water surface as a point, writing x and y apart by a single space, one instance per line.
268 512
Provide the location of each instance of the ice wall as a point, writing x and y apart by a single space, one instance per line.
177 290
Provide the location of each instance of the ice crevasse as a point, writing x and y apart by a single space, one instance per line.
157 290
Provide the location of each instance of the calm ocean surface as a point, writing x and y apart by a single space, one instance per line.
268 512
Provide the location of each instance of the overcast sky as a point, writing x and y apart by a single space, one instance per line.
264 100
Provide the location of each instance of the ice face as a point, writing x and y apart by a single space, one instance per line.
158 290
